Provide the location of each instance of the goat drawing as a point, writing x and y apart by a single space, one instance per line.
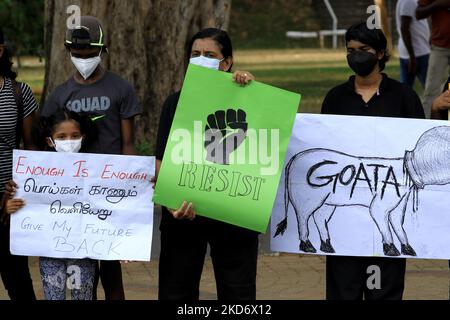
317 181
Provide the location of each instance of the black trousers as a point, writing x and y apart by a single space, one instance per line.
14 270
347 278
110 273
234 253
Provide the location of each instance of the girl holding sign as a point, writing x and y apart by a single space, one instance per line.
184 240
64 131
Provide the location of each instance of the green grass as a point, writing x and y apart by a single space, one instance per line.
312 83
32 72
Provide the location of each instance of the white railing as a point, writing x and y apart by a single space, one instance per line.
334 32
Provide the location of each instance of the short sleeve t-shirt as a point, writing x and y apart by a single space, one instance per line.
8 123
420 32
440 25
108 101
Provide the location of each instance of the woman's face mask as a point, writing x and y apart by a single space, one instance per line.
203 61
67 145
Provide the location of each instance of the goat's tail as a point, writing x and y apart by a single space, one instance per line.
282 226
413 185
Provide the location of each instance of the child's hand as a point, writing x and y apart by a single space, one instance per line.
13 205
11 188
153 181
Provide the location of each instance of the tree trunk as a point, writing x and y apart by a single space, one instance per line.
385 22
147 41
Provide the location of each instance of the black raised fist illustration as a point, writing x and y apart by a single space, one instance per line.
224 133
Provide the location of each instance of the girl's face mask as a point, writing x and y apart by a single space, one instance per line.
203 61
67 145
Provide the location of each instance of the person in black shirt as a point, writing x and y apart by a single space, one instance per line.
184 237
368 93
441 104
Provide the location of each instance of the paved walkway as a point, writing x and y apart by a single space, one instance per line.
286 276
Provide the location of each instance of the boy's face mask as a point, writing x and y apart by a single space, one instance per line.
67 145
203 61
86 66
362 62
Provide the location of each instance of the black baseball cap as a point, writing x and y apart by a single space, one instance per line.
89 33
2 39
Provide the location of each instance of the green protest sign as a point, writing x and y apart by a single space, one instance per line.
226 148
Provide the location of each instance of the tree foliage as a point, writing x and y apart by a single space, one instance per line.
23 25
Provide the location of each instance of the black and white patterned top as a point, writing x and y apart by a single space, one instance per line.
8 122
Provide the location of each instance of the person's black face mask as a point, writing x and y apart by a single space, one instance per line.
362 62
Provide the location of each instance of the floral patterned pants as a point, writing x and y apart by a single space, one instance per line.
58 274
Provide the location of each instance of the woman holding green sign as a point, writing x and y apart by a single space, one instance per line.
184 237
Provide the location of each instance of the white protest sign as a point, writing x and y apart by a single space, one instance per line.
365 186
81 205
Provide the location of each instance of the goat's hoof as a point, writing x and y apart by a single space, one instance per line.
407 250
390 250
306 246
326 246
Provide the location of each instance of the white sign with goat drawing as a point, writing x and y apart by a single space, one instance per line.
365 186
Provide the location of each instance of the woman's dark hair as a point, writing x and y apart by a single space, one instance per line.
372 37
44 127
219 36
6 61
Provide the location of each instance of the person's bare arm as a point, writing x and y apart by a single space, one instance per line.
26 132
128 147
423 12
406 36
